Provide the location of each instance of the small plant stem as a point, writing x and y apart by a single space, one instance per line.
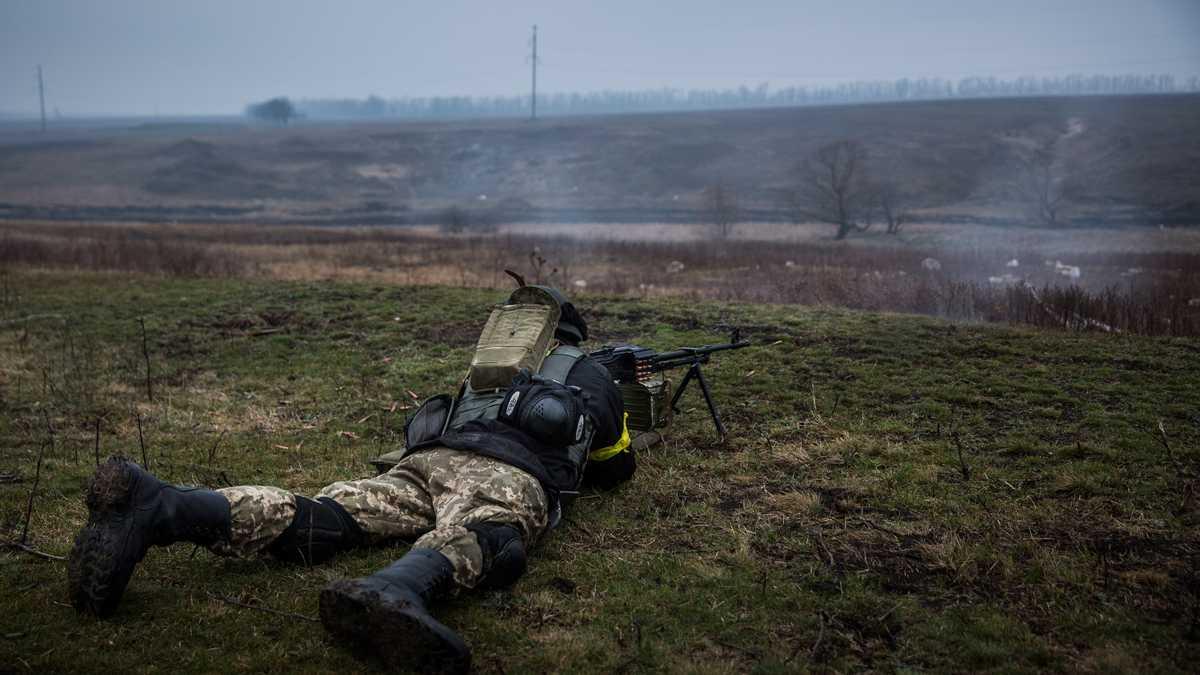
146 356
37 475
141 440
97 443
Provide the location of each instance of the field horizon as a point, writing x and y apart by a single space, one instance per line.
1126 160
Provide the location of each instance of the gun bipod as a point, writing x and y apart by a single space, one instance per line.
695 371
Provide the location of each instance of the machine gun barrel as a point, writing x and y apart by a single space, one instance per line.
686 356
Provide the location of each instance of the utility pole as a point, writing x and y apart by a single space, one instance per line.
534 62
42 97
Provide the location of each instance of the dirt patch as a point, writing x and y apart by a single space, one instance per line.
640 316
842 500
690 155
202 169
273 320
211 176
190 148
306 149
903 556
452 334
276 318
239 323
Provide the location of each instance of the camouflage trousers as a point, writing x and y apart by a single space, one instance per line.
430 496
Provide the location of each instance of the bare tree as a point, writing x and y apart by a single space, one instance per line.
721 206
834 188
1040 184
892 201
454 220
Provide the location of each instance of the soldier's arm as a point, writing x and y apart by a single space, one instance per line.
610 462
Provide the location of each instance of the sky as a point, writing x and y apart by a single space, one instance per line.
174 57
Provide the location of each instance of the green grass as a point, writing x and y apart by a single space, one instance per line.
898 493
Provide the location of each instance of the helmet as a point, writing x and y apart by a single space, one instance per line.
572 329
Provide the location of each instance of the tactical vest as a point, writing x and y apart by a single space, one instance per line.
517 337
485 405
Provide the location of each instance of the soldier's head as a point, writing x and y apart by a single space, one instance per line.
572 329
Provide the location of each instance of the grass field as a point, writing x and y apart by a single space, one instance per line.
898 492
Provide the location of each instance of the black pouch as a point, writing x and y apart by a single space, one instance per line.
429 421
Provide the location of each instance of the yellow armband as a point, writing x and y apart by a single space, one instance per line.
622 444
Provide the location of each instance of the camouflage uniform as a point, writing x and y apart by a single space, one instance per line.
430 496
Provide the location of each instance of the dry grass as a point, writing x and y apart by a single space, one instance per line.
1140 281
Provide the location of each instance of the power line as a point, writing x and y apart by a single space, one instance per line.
1008 49
979 72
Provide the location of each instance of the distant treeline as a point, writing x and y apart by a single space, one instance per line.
905 89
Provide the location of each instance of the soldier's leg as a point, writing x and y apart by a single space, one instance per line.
345 514
290 527
393 505
258 515
487 513
130 510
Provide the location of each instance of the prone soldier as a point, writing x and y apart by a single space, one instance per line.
483 475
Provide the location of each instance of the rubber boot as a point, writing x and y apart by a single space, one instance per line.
129 510
386 614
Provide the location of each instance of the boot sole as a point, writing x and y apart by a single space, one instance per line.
396 634
95 583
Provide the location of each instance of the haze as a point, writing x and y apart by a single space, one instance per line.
213 57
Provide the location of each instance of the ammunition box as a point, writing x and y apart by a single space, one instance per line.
648 403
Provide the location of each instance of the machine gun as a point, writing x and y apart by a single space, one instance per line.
639 372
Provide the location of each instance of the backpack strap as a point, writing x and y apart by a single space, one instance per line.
558 363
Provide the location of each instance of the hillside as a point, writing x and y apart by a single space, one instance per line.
898 492
1126 159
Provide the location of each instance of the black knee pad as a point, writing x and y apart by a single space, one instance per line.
503 554
320 529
